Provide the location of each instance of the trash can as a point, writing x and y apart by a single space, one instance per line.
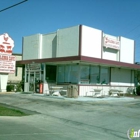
72 91
69 91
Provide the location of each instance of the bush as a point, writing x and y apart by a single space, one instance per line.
20 86
138 90
10 88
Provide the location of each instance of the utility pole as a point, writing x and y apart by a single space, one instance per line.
13 6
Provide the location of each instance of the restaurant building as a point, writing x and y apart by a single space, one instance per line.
82 56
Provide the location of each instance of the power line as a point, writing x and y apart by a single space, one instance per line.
13 6
133 29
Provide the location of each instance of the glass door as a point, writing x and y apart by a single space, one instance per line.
34 80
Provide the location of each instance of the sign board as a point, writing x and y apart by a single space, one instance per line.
7 63
34 66
6 44
111 43
7 60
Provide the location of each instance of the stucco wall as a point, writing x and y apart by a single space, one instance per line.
13 78
127 50
49 45
91 42
68 42
32 47
110 54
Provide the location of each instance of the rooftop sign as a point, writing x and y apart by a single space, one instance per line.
111 43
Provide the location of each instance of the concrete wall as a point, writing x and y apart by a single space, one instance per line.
32 47
49 45
91 42
13 78
88 90
127 50
68 42
3 81
110 54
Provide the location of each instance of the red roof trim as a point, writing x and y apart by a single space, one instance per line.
59 59
82 59
109 62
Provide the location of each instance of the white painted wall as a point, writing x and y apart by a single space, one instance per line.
91 42
12 77
32 47
49 45
68 42
3 82
110 54
127 50
89 89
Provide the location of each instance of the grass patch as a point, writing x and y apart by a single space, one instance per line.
5 111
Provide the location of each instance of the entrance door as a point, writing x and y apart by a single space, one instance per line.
32 82
34 77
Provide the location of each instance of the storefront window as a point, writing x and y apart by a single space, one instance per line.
104 75
67 74
84 74
74 74
94 75
60 74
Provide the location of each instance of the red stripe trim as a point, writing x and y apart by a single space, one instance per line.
82 59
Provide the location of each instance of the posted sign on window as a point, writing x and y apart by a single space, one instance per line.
7 60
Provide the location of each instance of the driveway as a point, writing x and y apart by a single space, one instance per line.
69 119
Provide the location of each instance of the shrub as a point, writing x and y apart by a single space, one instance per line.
10 88
20 86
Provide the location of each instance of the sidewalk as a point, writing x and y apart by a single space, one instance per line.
84 98
108 98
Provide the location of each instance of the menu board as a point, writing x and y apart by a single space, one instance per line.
7 63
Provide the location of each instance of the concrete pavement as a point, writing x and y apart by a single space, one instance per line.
70 119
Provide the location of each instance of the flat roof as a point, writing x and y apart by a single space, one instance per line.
80 59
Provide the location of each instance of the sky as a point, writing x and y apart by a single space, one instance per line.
114 17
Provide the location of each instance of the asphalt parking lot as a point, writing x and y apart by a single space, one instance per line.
69 119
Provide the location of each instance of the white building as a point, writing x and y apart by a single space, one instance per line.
80 55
